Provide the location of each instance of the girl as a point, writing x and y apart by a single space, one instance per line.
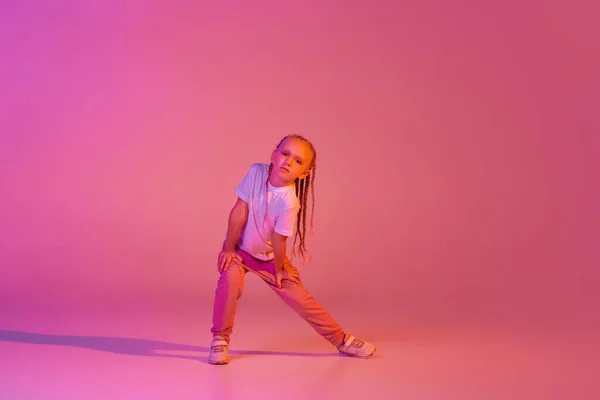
271 205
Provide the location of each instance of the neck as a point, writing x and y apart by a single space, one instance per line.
279 183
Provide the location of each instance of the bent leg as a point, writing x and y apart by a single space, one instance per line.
229 290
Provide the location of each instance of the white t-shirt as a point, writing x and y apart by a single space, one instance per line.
256 235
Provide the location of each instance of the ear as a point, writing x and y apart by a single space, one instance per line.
304 174
273 155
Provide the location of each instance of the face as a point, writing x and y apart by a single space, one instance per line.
291 160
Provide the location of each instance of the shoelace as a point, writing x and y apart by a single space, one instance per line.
219 348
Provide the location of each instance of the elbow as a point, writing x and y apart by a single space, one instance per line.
239 212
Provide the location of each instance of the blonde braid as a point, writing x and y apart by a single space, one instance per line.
299 184
305 210
311 183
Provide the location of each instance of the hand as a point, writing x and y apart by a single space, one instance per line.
226 258
287 271
279 276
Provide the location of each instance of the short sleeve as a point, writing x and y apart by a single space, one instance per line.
286 221
244 189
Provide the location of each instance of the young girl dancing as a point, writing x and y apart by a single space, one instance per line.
271 207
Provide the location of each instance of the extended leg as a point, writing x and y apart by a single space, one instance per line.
304 304
297 297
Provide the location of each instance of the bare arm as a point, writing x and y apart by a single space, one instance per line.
237 219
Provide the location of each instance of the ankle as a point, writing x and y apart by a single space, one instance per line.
342 340
220 338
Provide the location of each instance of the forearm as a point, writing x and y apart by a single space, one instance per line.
279 259
237 220
279 250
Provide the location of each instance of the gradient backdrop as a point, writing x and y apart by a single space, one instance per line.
458 146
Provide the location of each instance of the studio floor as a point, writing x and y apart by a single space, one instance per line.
274 355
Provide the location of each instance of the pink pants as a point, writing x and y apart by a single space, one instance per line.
229 290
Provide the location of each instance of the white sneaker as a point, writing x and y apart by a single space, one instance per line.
219 351
356 348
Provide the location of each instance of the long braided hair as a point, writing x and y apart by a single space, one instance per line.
303 186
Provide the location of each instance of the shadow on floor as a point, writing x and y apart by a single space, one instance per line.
135 347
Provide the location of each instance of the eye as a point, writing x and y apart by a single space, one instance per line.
299 162
285 153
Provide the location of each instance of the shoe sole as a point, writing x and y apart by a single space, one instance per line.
218 362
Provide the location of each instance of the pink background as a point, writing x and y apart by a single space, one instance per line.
458 146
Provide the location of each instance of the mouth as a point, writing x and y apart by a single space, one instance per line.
285 169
